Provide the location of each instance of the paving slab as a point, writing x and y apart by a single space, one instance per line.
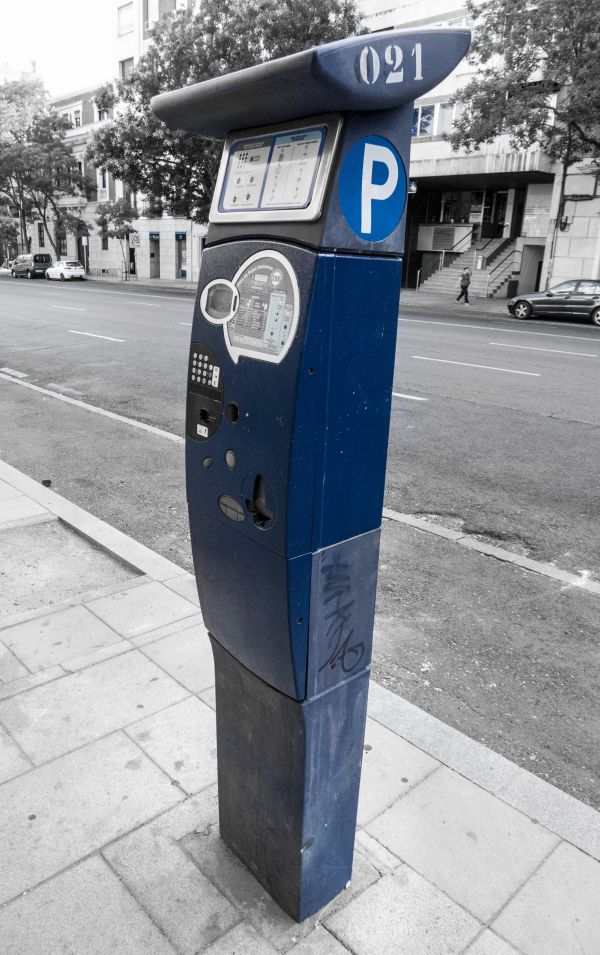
489 944
96 656
44 564
59 813
12 761
11 668
319 942
390 767
558 910
25 683
151 636
132 612
14 509
241 940
252 901
182 741
58 717
569 818
7 491
187 656
85 910
403 912
43 641
466 842
185 586
189 909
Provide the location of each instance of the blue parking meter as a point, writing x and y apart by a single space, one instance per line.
289 392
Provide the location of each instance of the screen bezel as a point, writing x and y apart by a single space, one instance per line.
310 213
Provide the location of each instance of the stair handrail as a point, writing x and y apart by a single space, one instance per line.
499 230
442 255
512 254
499 250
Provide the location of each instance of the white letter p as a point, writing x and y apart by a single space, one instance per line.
371 191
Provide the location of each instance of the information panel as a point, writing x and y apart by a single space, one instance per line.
279 174
258 309
264 318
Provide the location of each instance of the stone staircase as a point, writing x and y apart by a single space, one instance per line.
485 282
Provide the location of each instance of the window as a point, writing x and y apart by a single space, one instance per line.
80 166
589 288
104 238
426 120
422 124
61 240
565 288
77 117
445 118
102 114
103 178
41 236
125 68
125 19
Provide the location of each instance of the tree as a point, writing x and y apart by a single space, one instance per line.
175 170
51 176
537 78
20 101
9 234
115 219
37 168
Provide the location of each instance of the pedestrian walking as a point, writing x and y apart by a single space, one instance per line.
463 284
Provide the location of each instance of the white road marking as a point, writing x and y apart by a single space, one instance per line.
69 308
147 304
468 364
398 394
101 411
495 328
91 335
185 323
555 351
15 374
163 298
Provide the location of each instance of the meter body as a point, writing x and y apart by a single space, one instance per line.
289 393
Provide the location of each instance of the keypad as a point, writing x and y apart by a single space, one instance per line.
203 371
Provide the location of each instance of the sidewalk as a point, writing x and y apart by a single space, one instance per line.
108 807
410 298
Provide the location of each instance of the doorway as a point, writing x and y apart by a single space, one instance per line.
154 257
181 255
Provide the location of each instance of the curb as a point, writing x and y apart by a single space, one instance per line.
498 553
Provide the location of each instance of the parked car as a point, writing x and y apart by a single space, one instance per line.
573 299
32 266
66 269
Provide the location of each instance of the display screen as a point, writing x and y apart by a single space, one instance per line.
277 171
264 317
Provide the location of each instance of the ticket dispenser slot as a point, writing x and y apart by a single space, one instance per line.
289 396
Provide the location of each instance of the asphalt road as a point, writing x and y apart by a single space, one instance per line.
494 431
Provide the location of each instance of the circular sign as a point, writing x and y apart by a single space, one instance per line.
373 186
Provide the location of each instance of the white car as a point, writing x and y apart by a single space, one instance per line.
66 269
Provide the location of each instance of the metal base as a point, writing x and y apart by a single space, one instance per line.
289 775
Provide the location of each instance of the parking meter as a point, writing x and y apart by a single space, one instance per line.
289 387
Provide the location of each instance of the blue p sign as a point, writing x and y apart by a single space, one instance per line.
373 188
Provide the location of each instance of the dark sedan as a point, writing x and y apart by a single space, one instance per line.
578 299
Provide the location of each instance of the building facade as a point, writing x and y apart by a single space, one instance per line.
498 208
